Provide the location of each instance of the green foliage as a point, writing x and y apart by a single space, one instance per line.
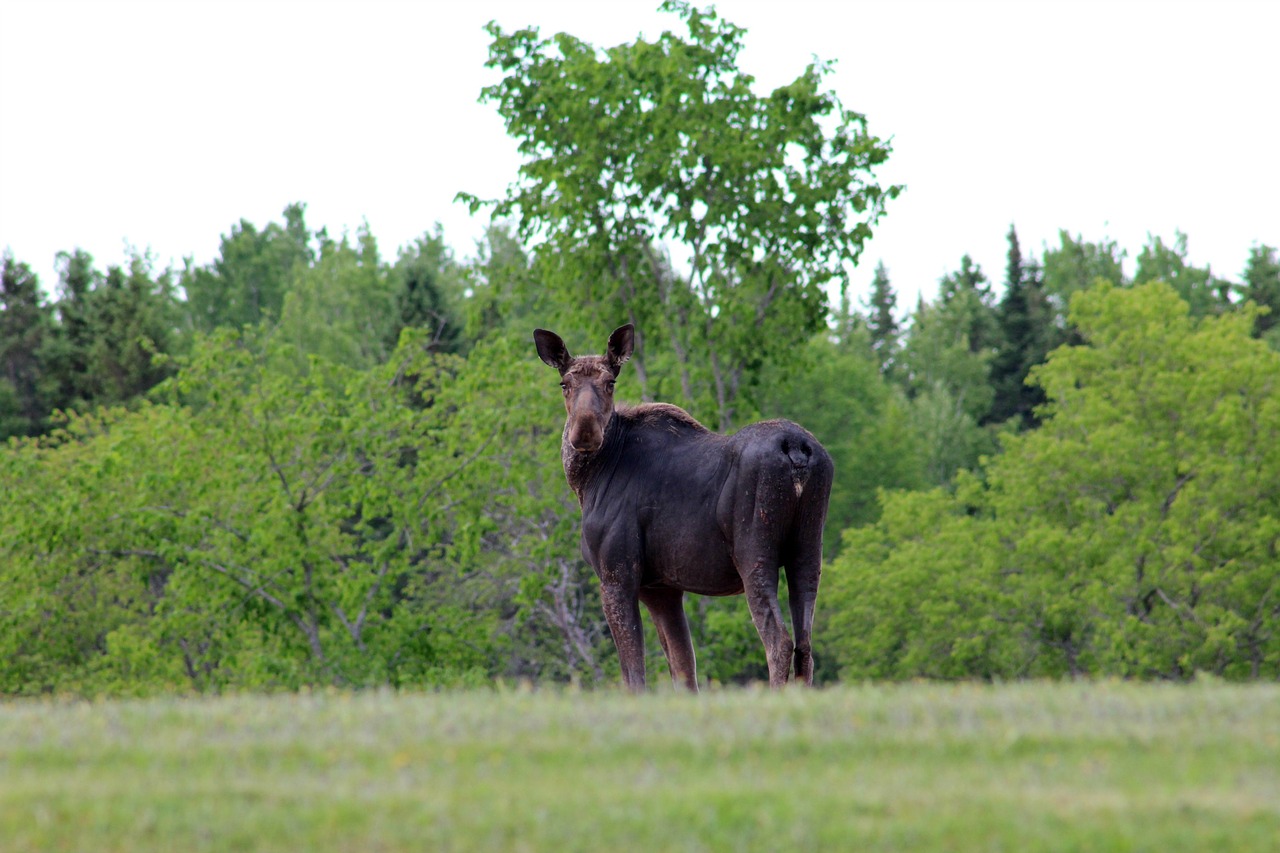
865 423
280 529
132 316
25 327
881 322
305 465
502 287
1075 265
348 293
295 508
247 282
110 330
946 362
428 285
911 596
1261 286
769 197
1199 288
1027 331
1134 534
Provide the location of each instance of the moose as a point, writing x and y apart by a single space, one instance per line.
669 507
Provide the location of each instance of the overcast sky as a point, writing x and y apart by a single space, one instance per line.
160 124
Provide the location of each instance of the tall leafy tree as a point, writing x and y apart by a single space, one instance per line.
1075 265
665 143
1134 534
348 293
502 286
262 529
246 283
1158 261
946 361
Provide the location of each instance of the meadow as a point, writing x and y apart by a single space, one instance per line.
1041 766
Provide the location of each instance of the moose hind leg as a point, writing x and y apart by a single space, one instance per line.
666 607
760 582
802 594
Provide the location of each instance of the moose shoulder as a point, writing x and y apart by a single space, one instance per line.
669 507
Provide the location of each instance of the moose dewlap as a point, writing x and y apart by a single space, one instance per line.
669 507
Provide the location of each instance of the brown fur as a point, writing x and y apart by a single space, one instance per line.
669 507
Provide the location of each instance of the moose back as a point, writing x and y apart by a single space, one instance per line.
669 507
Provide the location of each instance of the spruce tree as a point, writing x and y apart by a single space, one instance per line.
881 322
1022 317
1262 286
967 293
25 323
428 281
69 350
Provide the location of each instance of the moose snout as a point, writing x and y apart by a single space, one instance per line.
586 438
588 416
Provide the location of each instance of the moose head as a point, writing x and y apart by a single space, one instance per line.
587 382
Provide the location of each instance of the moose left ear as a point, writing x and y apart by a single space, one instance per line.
621 343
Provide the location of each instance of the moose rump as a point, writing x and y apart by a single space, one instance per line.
669 507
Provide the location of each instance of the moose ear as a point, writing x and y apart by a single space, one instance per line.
621 343
552 350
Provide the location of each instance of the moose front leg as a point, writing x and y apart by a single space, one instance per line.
622 612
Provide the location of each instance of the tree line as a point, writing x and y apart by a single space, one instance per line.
306 463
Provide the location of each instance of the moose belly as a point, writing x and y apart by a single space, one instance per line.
683 554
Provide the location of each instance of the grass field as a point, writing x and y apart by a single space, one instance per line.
1021 767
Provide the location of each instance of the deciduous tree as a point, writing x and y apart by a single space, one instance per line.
246 283
657 146
1134 534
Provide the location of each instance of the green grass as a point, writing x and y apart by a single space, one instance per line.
1021 767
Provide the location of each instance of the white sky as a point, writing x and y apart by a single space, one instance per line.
160 124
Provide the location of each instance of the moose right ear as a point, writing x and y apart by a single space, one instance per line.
552 350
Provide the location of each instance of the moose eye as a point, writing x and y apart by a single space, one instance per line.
610 386
564 386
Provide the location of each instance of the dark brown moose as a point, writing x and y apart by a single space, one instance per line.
669 507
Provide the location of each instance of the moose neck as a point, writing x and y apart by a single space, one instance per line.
580 469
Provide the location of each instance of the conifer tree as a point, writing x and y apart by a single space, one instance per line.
881 323
428 281
25 324
1262 285
967 293
1024 339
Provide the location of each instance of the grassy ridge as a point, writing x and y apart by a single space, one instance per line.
1024 767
